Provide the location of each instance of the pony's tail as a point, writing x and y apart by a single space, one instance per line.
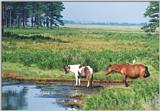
147 74
91 81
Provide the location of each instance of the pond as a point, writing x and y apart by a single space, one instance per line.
18 95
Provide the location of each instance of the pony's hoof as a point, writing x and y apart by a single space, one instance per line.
89 86
78 85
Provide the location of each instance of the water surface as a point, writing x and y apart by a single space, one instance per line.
18 95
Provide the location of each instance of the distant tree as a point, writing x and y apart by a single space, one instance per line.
3 18
15 13
19 12
32 6
152 12
40 13
53 13
7 13
22 12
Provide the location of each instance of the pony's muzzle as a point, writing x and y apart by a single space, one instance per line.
147 75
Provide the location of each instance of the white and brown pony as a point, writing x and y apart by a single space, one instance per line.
80 72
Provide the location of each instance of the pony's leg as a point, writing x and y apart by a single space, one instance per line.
91 80
88 79
126 83
79 81
76 80
125 80
88 84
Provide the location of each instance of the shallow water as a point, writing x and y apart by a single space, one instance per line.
19 95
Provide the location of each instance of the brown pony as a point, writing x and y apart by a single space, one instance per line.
129 70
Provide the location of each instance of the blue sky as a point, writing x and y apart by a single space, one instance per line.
131 12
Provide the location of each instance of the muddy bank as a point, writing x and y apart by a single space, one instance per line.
51 80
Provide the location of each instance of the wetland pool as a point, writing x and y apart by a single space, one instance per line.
18 95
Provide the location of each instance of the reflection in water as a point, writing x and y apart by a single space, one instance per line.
43 97
13 97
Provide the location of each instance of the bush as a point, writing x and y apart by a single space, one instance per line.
140 94
57 59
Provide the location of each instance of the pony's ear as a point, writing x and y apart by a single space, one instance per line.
109 65
80 66
68 66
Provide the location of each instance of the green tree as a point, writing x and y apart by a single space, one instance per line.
21 11
40 14
39 10
152 12
53 13
7 13
15 13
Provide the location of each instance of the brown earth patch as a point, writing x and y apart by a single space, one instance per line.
74 103
51 80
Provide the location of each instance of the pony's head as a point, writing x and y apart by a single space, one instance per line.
108 69
67 69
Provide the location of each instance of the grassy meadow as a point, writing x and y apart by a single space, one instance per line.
42 53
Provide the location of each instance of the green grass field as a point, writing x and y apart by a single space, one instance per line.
42 53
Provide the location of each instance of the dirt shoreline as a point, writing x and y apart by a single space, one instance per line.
51 80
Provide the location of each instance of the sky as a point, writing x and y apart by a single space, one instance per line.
131 12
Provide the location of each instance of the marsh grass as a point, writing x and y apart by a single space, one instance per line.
141 95
33 72
42 53
57 59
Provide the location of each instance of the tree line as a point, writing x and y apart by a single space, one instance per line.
152 12
35 14
48 14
